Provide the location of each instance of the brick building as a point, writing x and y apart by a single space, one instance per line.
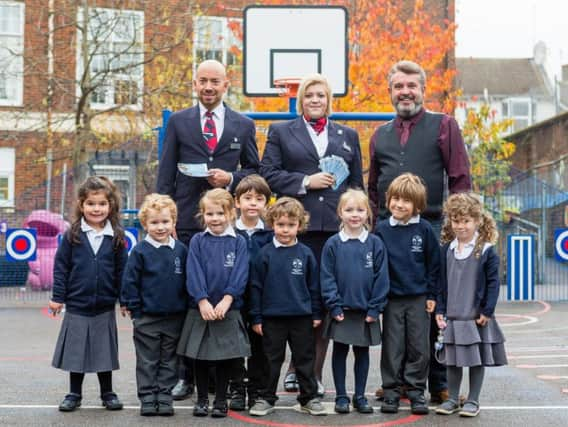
49 107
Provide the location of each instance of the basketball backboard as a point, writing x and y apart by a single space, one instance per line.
292 41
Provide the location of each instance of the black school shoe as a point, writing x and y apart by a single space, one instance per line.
361 404
201 408
390 406
111 401
182 390
148 408
219 410
165 405
71 402
418 405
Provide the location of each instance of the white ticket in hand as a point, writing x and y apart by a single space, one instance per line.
193 169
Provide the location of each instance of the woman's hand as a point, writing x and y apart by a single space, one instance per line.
257 328
321 180
339 317
316 323
206 310
370 319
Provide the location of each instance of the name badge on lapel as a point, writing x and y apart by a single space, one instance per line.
235 145
346 147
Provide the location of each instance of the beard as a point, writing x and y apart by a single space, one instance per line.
408 111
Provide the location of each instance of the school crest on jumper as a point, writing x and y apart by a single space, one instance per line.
416 245
369 260
297 267
177 263
229 260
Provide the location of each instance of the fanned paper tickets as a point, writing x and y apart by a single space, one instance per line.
336 166
198 170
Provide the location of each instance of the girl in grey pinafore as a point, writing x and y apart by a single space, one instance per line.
468 295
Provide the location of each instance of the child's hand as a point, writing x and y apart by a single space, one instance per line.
55 308
339 317
206 310
257 328
482 321
370 319
124 311
430 306
440 321
223 306
316 323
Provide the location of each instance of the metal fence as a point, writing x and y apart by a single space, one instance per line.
526 206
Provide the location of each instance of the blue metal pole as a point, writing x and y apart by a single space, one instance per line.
162 130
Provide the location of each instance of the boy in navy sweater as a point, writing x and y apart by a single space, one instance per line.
251 196
155 297
414 267
285 305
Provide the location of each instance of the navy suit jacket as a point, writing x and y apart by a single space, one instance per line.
290 155
236 152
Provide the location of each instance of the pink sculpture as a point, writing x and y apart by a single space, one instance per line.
49 226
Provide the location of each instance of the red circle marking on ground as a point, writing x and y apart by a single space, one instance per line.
263 422
21 244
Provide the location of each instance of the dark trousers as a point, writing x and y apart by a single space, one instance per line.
155 340
406 345
298 333
339 367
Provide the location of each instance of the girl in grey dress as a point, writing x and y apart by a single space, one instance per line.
466 304
86 280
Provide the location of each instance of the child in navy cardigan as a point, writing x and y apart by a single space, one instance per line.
286 305
466 303
86 280
354 286
155 297
217 273
251 196
414 267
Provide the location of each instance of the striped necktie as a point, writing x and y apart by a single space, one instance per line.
210 131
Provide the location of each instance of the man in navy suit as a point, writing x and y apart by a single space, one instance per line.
199 155
186 153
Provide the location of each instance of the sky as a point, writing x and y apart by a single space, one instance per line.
511 28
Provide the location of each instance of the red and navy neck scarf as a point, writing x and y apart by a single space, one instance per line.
317 124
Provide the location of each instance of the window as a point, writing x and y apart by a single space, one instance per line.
116 52
520 110
7 171
213 39
11 51
120 175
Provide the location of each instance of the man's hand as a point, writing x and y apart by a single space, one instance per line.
316 323
218 178
257 328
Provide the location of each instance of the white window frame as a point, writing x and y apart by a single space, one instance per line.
117 173
13 42
135 74
214 42
8 170
510 114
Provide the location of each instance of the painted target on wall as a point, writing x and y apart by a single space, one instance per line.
561 244
21 244
130 238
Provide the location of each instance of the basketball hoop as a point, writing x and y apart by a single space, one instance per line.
287 86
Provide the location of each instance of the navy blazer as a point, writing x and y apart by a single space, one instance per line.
236 152
487 291
290 155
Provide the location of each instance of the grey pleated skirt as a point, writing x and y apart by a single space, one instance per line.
87 344
467 344
353 329
214 340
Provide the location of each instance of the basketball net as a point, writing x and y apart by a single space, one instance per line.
287 86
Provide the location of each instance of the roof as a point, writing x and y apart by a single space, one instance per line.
502 76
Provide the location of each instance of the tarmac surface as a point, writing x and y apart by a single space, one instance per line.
531 391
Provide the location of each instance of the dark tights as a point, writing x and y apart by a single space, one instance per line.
339 367
222 372
76 382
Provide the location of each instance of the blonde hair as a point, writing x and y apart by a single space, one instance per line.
359 197
290 207
411 187
310 80
469 204
156 202
218 196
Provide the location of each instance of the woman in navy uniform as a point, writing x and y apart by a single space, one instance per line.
291 166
